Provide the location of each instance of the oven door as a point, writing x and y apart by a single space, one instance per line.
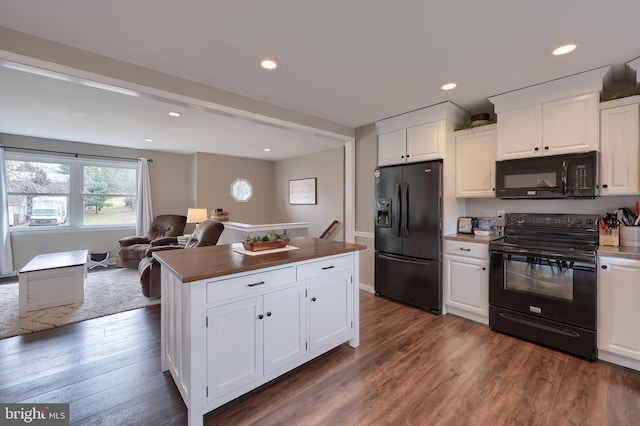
551 285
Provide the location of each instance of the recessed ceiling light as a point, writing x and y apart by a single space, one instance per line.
449 86
563 50
267 150
148 140
174 114
269 64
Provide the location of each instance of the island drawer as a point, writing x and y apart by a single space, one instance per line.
464 248
324 267
248 285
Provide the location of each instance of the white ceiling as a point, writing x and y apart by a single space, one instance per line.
350 62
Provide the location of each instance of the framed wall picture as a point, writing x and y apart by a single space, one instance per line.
302 191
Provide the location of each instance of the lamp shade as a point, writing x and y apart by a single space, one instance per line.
196 215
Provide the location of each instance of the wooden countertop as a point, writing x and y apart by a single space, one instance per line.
216 261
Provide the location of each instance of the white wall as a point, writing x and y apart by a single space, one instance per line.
328 168
600 205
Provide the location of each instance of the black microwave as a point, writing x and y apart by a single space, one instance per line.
549 176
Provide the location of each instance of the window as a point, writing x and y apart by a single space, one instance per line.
48 192
241 190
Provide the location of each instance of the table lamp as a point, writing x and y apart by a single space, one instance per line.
195 215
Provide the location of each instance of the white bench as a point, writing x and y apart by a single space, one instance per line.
53 279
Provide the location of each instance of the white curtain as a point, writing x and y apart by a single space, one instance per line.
6 255
144 212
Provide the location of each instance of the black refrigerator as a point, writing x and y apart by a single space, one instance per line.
408 234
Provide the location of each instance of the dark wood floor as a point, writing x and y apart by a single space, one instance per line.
412 367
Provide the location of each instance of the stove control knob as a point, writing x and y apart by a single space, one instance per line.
579 221
569 220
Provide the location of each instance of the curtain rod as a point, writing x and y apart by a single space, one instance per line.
76 155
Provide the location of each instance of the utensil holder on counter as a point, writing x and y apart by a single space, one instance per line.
610 237
630 236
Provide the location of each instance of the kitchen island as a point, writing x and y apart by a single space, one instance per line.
232 322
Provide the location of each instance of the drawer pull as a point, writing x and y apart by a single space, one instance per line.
465 249
255 284
328 267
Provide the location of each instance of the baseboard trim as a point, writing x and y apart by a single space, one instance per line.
367 288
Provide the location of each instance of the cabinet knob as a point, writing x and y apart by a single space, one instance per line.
536 149
605 186
260 316
546 148
269 313
604 266
484 269
313 299
402 156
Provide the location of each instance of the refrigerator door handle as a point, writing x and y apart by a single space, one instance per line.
400 259
405 211
399 212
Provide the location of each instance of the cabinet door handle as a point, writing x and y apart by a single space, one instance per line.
313 299
605 186
546 148
255 284
260 316
484 269
604 266
328 267
465 249
269 313
536 149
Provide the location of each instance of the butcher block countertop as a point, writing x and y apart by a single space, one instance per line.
216 261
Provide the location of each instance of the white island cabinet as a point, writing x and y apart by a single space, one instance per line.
233 322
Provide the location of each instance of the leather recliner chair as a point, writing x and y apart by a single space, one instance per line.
207 233
163 231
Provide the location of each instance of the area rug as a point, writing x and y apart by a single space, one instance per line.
107 292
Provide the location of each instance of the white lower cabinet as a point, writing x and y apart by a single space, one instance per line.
466 278
253 337
330 310
619 311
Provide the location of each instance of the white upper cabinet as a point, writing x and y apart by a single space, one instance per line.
419 135
392 147
411 145
558 127
520 133
620 147
425 142
558 117
475 162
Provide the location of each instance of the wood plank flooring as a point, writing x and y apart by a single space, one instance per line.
412 368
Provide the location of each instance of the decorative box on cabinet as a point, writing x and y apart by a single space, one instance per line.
475 162
618 313
620 147
466 278
556 117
